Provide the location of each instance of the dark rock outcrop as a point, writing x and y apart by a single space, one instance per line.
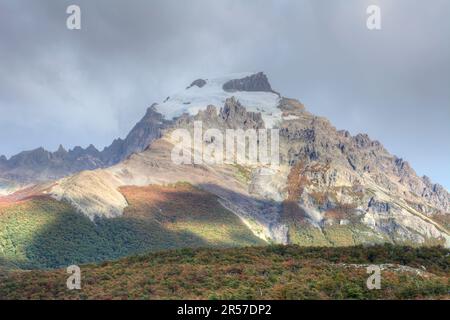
236 116
139 138
197 83
255 82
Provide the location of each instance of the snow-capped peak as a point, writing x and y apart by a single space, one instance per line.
243 86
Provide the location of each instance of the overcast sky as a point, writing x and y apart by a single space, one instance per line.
59 86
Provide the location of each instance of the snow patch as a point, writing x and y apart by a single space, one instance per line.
194 99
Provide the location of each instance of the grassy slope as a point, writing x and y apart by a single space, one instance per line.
44 233
355 233
271 272
333 235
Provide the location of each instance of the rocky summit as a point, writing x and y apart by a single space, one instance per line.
255 82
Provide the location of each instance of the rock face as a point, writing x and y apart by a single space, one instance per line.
354 185
256 82
236 116
139 138
231 116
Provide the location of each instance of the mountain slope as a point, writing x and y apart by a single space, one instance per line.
40 232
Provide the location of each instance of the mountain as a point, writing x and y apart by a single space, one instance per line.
40 165
329 189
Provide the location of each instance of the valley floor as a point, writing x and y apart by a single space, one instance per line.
270 272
